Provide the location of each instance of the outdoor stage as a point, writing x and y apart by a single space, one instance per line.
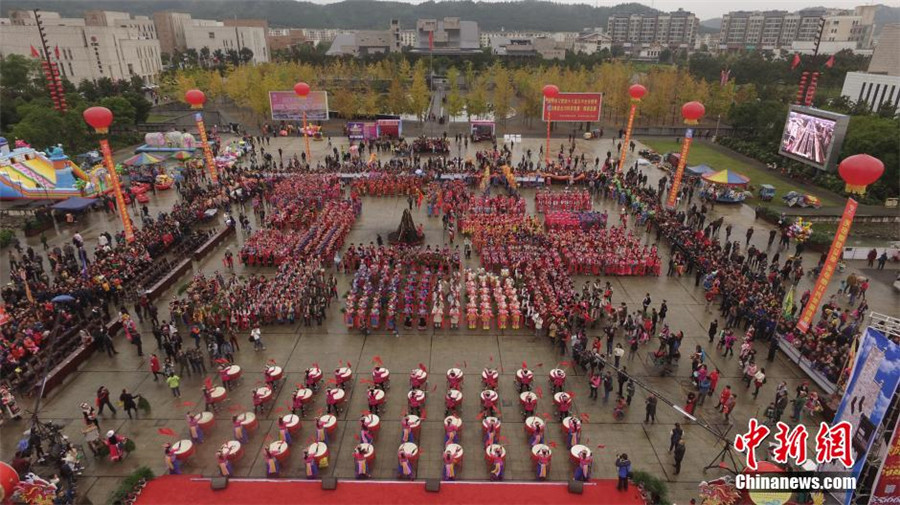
195 490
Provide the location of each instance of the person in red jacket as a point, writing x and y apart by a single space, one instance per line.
155 367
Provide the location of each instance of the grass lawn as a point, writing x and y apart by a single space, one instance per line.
702 154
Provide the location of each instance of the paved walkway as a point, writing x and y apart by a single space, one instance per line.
296 347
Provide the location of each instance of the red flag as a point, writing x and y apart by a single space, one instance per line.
56 52
35 53
796 62
830 62
431 41
169 432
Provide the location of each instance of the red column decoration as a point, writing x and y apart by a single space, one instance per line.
550 91
301 89
637 92
691 112
100 118
197 98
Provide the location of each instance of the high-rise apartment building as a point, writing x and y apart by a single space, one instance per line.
638 32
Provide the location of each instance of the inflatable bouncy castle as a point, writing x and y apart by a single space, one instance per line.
28 173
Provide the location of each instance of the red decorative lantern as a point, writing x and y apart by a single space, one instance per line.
301 89
637 92
99 118
196 98
550 91
860 170
692 112
8 480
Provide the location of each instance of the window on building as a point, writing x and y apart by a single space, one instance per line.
212 35
71 72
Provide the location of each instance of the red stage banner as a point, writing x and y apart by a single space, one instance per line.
887 483
679 172
207 152
117 190
573 107
831 261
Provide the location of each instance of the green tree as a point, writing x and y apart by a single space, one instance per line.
344 103
476 98
124 114
876 136
455 101
41 126
396 100
503 91
419 95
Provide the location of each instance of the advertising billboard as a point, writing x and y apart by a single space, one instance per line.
356 130
573 107
287 106
872 383
813 136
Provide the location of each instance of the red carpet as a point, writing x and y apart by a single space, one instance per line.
195 490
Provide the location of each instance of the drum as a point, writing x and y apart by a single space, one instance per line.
330 423
576 450
382 375
205 420
455 371
527 396
372 421
565 424
248 419
304 394
457 451
559 397
379 396
532 424
264 393
339 396
319 451
343 374
415 422
455 421
291 422
418 376
489 395
557 373
417 394
539 448
369 451
491 449
456 395
489 374
183 449
314 374
274 373
232 450
524 375
280 450
218 394
411 450
233 372
486 420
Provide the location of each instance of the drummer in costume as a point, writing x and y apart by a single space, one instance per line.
404 466
321 432
491 434
407 435
361 463
543 464
372 398
449 472
194 428
172 462
573 436
284 434
273 467
498 466
240 433
312 466
451 432
297 404
583 469
537 436
225 467
365 435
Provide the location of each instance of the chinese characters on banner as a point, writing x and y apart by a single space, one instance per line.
834 255
117 190
682 162
627 137
572 107
832 443
887 484
207 152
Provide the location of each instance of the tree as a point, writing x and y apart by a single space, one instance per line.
455 100
43 126
124 114
140 105
344 103
396 98
246 55
876 136
419 95
503 91
476 98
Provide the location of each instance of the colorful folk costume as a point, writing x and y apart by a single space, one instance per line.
172 462
407 435
449 472
498 466
543 465
240 433
404 467
361 464
573 436
365 435
491 434
583 468
194 429
321 432
312 466
273 467
283 433
451 432
225 467
537 436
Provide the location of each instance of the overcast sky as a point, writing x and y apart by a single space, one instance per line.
705 9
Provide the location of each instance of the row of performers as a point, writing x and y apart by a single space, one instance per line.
373 319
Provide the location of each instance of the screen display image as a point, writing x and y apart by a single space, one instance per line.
808 137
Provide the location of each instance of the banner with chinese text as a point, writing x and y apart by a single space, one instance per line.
831 261
887 483
573 107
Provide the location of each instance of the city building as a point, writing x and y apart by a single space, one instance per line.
881 83
833 30
366 42
407 38
543 47
447 36
636 33
180 32
102 44
284 38
592 42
